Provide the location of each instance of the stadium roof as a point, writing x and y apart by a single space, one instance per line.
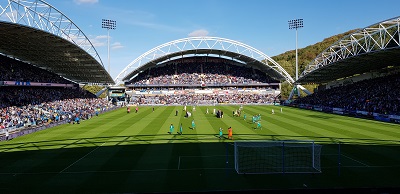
200 52
52 53
369 49
42 36
204 46
353 65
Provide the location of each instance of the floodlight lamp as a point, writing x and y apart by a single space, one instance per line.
109 24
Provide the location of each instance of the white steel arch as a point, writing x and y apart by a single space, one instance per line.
41 15
194 43
377 37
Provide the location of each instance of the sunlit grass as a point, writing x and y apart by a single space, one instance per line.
129 152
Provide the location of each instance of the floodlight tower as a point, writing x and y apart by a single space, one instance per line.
295 24
109 25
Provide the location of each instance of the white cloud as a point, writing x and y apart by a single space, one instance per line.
200 32
101 37
116 45
99 41
86 1
156 26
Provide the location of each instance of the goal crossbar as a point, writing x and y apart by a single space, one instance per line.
266 157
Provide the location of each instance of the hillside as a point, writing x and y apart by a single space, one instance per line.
305 55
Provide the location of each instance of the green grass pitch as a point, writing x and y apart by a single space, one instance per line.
118 152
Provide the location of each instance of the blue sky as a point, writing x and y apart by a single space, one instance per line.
262 24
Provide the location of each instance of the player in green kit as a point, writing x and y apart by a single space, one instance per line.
180 129
258 125
220 133
244 116
193 124
171 128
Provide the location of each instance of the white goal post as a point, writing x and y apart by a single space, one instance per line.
267 157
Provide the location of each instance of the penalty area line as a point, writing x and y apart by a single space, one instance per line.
355 160
82 157
165 169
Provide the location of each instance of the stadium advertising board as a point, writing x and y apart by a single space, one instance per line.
19 83
117 95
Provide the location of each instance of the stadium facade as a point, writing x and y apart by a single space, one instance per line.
209 66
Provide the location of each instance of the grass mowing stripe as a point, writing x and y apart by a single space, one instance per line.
64 131
355 126
334 127
205 126
138 130
81 158
357 123
96 122
147 157
310 128
202 162
214 122
285 120
238 125
131 155
252 111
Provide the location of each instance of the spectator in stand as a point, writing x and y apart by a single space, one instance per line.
13 70
22 106
183 99
379 95
191 72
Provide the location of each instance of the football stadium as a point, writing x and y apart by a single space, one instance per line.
194 115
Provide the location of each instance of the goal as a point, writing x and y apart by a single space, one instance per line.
267 157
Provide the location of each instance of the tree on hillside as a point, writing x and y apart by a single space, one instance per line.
305 55
94 89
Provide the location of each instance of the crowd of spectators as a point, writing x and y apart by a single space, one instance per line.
28 106
199 99
194 78
21 96
201 73
13 70
22 106
378 95
48 112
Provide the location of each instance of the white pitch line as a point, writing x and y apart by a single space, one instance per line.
145 170
209 156
82 158
355 160
179 162
165 169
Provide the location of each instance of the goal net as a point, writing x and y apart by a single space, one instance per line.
267 157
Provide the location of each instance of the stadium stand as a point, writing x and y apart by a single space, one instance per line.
33 99
13 70
201 99
376 98
193 81
190 71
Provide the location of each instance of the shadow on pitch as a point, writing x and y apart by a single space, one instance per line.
150 139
